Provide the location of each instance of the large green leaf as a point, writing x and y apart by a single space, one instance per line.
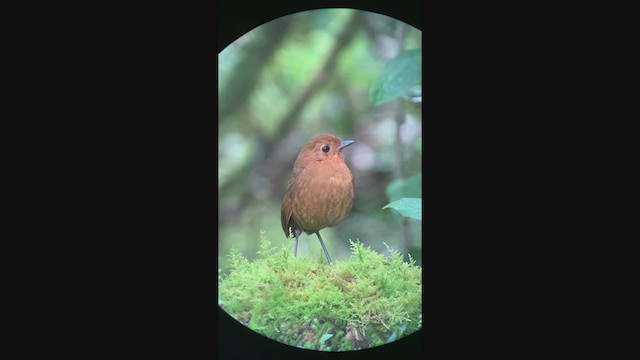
408 207
398 77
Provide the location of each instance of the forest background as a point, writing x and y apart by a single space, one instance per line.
295 77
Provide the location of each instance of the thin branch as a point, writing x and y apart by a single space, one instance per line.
400 114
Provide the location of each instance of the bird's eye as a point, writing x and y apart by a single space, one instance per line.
325 148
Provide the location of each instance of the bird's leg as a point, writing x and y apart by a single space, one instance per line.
295 248
323 247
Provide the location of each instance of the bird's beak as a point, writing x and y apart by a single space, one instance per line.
345 143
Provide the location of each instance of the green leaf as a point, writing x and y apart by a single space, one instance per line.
325 337
408 207
405 188
398 77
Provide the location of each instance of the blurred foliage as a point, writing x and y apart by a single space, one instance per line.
366 301
398 77
410 187
291 79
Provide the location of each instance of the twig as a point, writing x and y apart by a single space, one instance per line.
400 114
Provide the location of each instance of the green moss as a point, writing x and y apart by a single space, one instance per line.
366 301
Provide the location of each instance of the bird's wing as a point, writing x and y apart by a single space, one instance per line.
287 211
285 214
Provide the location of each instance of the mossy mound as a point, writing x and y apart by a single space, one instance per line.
366 301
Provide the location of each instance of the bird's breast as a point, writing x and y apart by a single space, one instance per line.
323 196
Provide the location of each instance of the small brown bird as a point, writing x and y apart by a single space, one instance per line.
320 192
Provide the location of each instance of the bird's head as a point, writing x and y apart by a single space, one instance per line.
324 147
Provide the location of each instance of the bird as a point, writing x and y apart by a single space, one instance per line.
320 191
